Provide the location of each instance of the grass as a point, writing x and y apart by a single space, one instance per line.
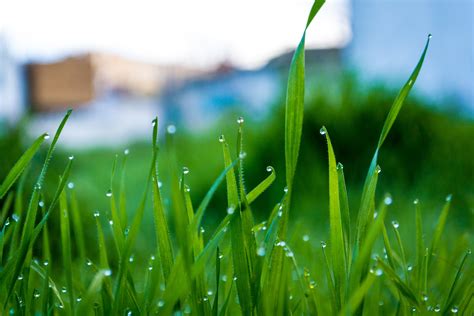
242 266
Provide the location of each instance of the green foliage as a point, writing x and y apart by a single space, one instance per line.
244 267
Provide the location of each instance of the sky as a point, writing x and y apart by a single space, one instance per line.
187 32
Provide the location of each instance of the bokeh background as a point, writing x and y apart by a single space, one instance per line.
198 65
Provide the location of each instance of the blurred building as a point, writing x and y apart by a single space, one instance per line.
77 81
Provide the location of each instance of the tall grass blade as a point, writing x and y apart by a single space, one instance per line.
21 165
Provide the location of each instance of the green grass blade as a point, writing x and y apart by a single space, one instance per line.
363 218
262 186
439 227
345 214
77 225
295 102
165 248
66 248
402 287
337 246
21 165
358 295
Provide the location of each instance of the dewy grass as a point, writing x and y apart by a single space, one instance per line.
244 267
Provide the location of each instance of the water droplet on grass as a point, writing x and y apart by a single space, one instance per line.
108 272
416 201
242 155
449 197
41 204
161 303
126 151
230 210
46 136
430 36
437 308
378 169
221 139
240 120
70 185
71 157
261 251
185 170
269 168
339 166
15 217
424 297
395 224
96 214
36 293
305 237
7 221
108 193
323 244
63 290
388 200
322 130
454 309
171 129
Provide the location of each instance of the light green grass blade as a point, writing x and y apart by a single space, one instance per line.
262 186
66 248
439 228
358 295
77 225
21 165
295 102
402 251
345 214
449 302
337 247
363 218
420 249
162 234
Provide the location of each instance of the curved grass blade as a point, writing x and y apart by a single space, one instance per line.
345 214
262 186
439 227
363 218
21 165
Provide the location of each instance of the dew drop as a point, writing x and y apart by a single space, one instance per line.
46 263
126 151
202 230
388 200
454 309
88 263
70 185
7 221
449 197
71 157
36 293
289 254
285 189
15 217
187 309
63 290
185 170
305 238
160 184
171 129
240 120
234 278
161 303
424 297
323 244
205 299
20 277
395 224
437 308
312 284
378 169
111 222
322 130
221 139
46 136
108 272
131 259
416 201
269 168
41 203
153 123
230 210
409 267
96 214
261 251
469 251
375 214
108 193
242 155
79 298
430 36
378 272
221 256
209 293
150 268
339 166
224 278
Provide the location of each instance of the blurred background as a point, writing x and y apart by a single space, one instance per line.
198 65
